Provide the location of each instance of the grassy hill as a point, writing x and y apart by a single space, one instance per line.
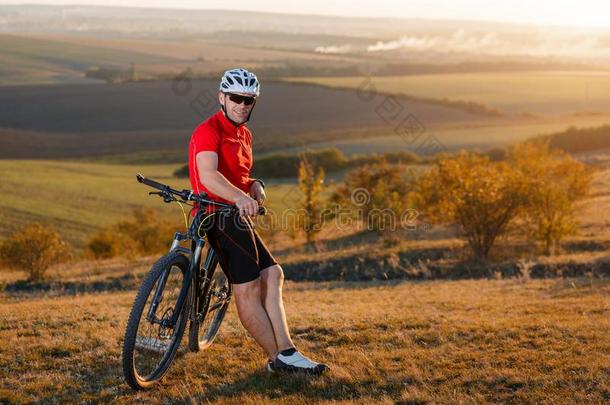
539 93
75 198
426 342
79 198
54 58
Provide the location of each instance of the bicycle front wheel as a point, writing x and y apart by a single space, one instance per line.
151 341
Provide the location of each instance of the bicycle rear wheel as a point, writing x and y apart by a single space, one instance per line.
213 307
150 343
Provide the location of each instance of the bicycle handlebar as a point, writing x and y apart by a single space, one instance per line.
188 195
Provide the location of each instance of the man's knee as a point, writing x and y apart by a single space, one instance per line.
246 292
273 275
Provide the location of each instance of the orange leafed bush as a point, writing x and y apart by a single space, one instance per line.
143 233
34 249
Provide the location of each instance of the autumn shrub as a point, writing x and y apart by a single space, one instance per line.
378 194
534 188
480 196
108 243
143 233
555 182
311 183
34 249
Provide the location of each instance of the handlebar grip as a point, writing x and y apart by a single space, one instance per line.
150 183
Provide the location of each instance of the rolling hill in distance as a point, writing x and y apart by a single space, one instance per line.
469 83
167 41
124 118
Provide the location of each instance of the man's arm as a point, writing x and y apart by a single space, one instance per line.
213 180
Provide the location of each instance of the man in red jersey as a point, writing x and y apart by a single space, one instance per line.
220 159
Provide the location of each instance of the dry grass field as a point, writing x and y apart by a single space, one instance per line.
544 93
486 341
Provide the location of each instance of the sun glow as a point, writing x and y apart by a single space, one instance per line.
584 13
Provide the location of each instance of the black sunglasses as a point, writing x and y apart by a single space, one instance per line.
237 99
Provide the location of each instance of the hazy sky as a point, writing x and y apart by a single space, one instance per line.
561 12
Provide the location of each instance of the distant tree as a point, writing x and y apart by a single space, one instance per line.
533 187
34 249
480 196
378 193
555 181
311 183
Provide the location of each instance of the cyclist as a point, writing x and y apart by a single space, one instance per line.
220 159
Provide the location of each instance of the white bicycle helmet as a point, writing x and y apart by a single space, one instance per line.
239 81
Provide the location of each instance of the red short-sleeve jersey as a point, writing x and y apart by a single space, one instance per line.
233 144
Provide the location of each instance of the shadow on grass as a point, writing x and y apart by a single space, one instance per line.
125 282
103 382
313 388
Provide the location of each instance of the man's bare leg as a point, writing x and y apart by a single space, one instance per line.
253 316
272 279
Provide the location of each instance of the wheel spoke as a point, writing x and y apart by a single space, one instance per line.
154 339
219 296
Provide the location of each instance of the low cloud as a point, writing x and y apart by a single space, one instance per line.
333 49
542 44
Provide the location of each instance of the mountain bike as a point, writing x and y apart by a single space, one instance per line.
180 287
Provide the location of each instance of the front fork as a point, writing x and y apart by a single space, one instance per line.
189 278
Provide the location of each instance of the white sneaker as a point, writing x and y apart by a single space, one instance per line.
296 363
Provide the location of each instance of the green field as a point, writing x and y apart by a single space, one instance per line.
79 198
544 93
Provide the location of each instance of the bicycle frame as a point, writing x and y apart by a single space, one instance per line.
192 276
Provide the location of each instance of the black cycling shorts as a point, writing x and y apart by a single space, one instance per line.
241 251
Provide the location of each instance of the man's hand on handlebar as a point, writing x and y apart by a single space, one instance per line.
258 193
244 204
247 206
